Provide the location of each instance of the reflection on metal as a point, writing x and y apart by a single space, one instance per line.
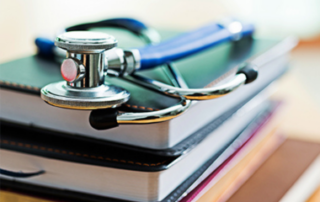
105 96
155 116
190 94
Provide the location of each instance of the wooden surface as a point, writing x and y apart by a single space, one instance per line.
8 196
280 172
315 196
299 89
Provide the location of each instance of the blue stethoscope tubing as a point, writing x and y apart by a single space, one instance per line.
166 51
187 44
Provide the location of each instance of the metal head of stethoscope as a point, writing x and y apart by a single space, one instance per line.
84 74
92 56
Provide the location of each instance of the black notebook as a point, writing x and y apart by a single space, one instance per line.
21 103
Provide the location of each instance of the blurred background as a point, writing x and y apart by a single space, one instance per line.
23 20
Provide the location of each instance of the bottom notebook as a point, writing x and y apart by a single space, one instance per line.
214 162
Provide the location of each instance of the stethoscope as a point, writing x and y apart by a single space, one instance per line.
92 56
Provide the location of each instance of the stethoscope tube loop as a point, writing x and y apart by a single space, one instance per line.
108 118
249 69
102 120
247 73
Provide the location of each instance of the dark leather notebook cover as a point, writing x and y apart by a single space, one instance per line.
276 176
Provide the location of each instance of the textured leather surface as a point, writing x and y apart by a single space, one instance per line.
31 73
65 147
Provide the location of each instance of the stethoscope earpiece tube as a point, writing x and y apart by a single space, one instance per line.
45 46
250 71
103 119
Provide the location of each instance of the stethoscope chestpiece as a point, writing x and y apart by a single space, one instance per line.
84 74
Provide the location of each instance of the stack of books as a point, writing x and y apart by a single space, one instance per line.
206 154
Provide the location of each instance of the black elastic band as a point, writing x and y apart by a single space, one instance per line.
19 174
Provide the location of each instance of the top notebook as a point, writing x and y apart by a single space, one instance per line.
22 79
